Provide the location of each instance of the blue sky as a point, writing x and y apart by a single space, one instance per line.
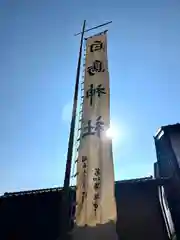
37 72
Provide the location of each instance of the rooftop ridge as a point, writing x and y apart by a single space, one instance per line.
57 189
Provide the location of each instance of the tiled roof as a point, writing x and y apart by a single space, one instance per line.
157 181
135 180
58 189
31 192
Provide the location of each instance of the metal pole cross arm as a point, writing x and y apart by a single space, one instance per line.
98 26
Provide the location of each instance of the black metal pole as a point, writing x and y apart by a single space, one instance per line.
73 120
65 193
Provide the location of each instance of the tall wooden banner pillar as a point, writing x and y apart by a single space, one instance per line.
95 198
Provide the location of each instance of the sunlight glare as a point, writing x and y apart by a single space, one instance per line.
111 133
